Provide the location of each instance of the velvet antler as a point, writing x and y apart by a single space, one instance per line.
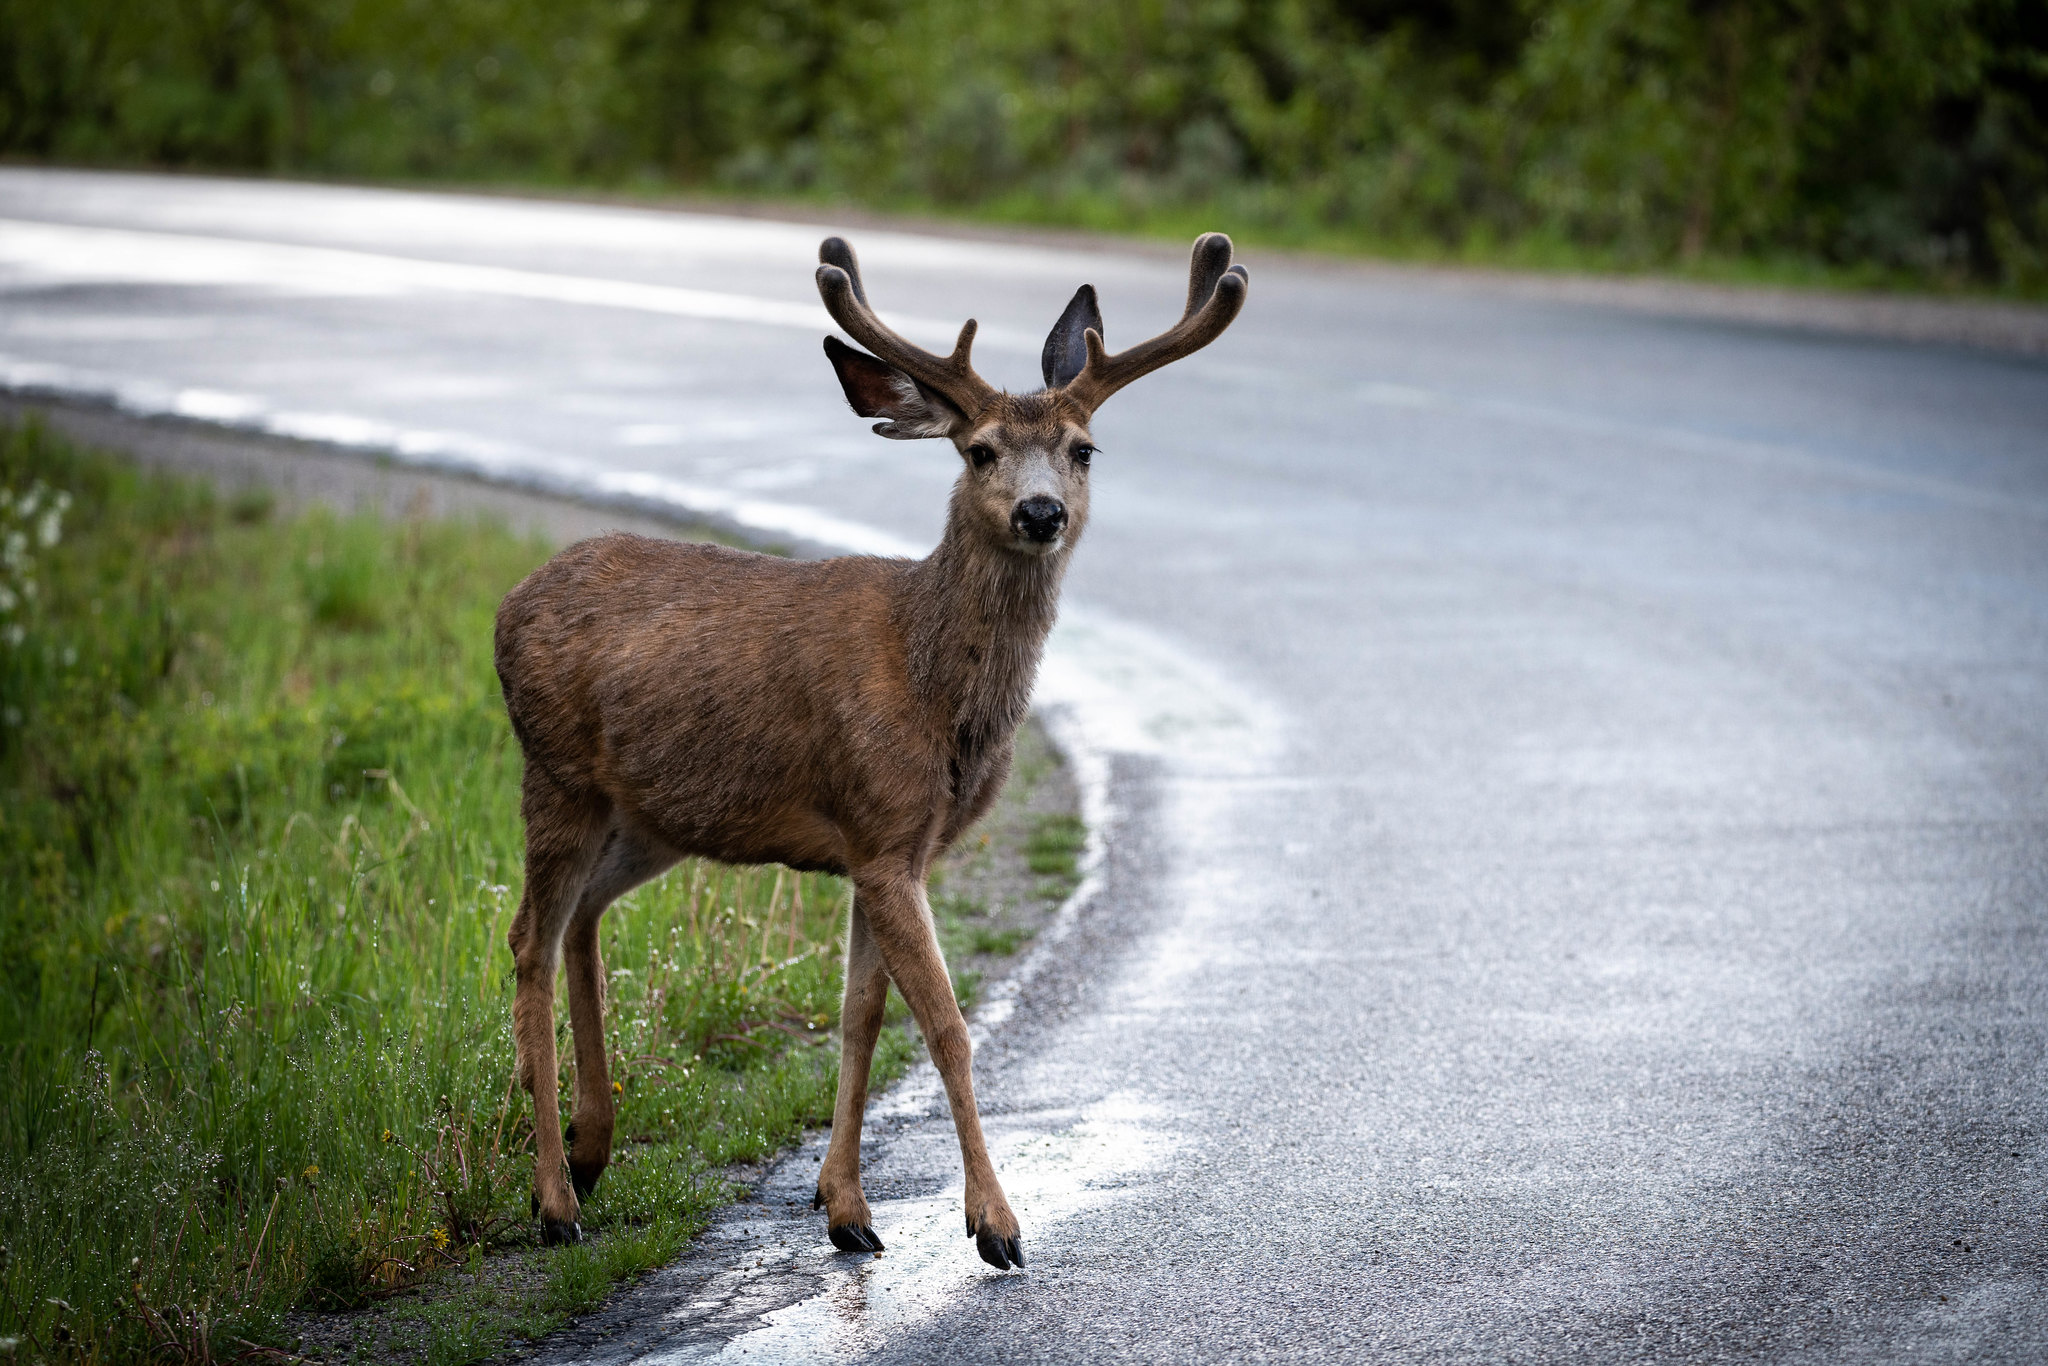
846 299
1216 291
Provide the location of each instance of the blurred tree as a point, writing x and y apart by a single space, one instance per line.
1908 136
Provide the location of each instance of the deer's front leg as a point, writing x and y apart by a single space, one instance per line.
901 923
860 1023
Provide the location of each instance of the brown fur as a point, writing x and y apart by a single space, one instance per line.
851 715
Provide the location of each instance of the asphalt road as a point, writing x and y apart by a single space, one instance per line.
1574 781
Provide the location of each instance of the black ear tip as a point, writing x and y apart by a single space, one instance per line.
834 249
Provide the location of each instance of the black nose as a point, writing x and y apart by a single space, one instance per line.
1039 519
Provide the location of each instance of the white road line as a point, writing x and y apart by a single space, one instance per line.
694 242
457 452
63 253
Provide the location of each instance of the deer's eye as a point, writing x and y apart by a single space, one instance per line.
982 456
1083 453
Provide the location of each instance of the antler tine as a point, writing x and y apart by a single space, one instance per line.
846 299
1216 291
1206 265
837 251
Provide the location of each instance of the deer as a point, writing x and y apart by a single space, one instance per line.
851 715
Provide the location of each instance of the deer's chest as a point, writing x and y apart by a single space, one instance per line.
978 776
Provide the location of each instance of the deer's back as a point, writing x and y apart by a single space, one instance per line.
743 706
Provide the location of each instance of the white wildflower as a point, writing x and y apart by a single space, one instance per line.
28 522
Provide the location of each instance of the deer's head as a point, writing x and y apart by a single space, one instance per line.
1025 482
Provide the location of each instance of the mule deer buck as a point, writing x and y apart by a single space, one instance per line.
849 715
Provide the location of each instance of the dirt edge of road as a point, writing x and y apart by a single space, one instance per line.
302 473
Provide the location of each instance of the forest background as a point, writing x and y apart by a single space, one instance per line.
1899 142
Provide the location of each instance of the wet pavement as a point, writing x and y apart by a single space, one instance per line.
1571 783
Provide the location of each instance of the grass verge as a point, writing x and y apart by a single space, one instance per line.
259 849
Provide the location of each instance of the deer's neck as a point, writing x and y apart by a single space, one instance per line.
977 618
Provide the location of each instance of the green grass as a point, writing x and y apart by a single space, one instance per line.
259 850
1055 846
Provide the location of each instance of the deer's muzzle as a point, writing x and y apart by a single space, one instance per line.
1039 519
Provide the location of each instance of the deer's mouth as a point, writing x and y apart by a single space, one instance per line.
1036 549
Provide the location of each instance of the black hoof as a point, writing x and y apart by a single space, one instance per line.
854 1238
557 1233
1000 1253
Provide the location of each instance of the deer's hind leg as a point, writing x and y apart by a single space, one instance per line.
563 837
848 1220
629 858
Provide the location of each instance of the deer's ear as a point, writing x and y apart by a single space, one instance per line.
877 389
1065 350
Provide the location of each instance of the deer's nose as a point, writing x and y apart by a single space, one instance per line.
1039 519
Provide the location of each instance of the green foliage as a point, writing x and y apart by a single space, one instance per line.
1056 845
1898 139
341 576
984 940
259 851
